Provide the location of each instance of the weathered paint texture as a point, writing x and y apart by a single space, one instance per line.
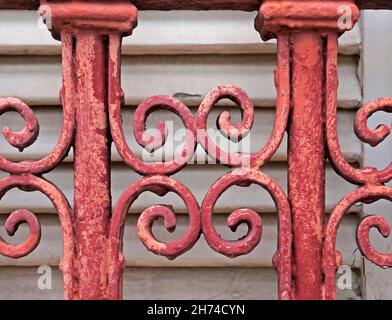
370 180
248 172
306 162
313 31
306 80
85 29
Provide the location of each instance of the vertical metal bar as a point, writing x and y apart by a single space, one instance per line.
85 29
306 161
92 200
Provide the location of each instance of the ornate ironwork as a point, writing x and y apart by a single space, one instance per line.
248 172
306 80
370 180
26 176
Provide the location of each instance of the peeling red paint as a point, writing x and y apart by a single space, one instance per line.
362 194
248 172
370 180
104 17
373 137
306 173
241 247
306 80
86 29
170 250
32 183
312 29
29 134
276 16
154 142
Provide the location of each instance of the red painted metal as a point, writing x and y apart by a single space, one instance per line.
306 162
85 30
156 178
248 172
160 185
28 182
28 135
370 180
306 80
92 201
305 24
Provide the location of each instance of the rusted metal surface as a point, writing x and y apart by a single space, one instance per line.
306 80
243 5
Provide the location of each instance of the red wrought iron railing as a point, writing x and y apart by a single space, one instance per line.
306 80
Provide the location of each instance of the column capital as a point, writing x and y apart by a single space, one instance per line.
102 16
326 15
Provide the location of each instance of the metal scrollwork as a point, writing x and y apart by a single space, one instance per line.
370 180
156 174
33 183
25 175
29 133
248 172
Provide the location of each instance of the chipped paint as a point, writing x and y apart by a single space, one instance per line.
85 29
306 80
370 180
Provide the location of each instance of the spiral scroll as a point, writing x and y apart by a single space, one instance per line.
282 259
370 180
373 137
159 185
238 131
29 133
248 172
144 109
24 175
18 217
156 175
332 258
12 224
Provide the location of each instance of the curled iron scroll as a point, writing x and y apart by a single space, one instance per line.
29 133
248 172
372 137
159 185
18 217
370 180
332 258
